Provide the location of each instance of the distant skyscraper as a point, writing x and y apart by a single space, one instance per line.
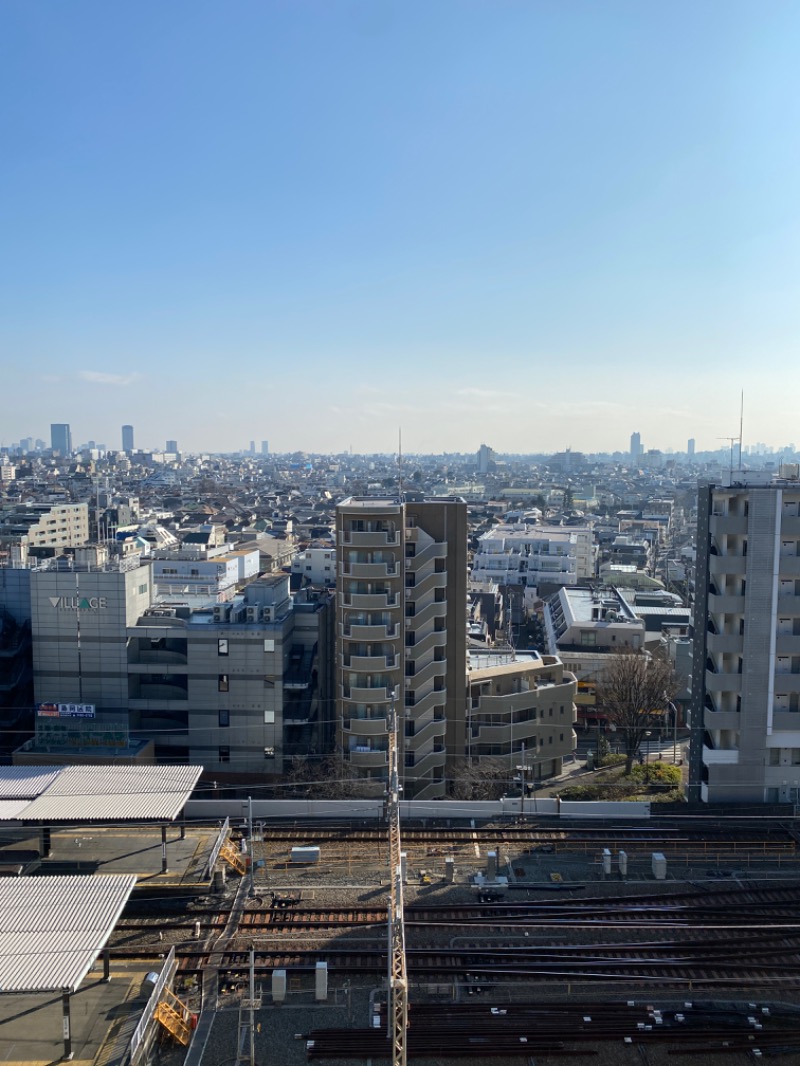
690 447
127 438
484 457
265 447
252 447
172 446
636 445
61 438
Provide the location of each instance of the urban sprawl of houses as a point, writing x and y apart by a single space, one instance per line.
253 612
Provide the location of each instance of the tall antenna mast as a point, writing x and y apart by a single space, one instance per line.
741 424
400 461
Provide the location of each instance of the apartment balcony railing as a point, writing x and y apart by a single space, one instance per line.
789 565
370 601
734 524
366 693
727 682
725 643
366 727
725 604
363 632
719 565
369 571
369 540
371 663
366 758
720 756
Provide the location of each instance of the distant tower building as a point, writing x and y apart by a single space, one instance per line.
265 447
484 457
61 438
636 445
690 448
172 447
127 438
252 447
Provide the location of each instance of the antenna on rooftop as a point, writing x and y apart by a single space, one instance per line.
741 424
400 461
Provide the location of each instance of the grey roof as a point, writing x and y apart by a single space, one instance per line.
53 928
26 782
114 793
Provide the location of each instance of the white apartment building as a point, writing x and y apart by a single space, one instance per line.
212 576
530 555
43 528
316 564
745 714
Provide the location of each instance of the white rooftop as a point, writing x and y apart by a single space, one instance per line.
53 928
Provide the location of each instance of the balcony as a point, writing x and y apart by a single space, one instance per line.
790 526
370 601
367 759
366 727
367 695
725 643
788 605
786 684
733 524
789 565
371 663
725 604
719 565
720 756
370 632
723 682
377 539
369 571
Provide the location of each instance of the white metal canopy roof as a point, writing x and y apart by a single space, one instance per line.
26 782
53 928
113 793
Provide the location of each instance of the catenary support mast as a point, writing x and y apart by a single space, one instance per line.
398 981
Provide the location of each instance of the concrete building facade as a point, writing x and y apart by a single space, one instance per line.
745 712
401 635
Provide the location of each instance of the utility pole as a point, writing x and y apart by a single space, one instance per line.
397 977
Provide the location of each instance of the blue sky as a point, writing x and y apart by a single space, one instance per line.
538 224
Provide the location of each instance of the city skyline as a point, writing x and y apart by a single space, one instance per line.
541 225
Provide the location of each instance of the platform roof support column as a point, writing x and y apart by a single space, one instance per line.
67 1024
183 824
106 964
44 840
164 867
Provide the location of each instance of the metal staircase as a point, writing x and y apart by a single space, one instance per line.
229 853
174 1015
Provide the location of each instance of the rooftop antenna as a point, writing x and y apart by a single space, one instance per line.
400 461
741 424
731 441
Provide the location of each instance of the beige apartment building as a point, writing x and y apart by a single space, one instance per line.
401 636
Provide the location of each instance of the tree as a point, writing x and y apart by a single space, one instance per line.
485 779
634 689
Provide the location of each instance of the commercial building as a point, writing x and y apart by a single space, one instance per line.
401 636
61 438
127 439
745 714
238 686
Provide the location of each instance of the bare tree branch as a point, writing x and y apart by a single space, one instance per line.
633 692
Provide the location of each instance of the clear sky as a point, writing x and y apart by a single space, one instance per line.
539 223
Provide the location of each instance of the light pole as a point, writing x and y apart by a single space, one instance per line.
674 711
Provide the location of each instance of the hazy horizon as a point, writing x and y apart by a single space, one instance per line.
538 225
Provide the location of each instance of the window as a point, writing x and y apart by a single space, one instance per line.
269 645
411 579
269 752
411 608
222 646
222 683
224 753
411 638
142 589
224 718
410 668
269 718
410 699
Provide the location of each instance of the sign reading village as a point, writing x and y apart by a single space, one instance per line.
79 603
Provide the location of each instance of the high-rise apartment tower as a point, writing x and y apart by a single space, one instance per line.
745 713
127 438
401 634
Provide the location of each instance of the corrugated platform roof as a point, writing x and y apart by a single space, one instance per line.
53 928
114 793
26 782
